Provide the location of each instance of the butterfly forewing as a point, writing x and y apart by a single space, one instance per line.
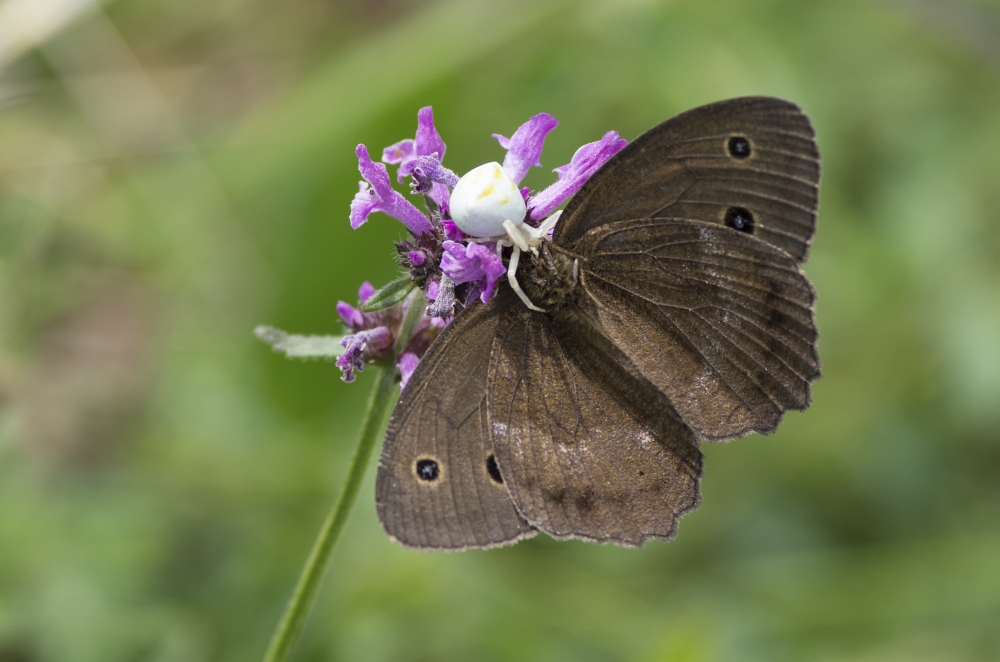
750 163
438 484
589 449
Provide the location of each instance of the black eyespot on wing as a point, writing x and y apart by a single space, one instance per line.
492 469
739 147
740 218
428 470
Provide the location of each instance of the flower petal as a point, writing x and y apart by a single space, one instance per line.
524 148
466 263
364 203
428 140
398 152
492 278
477 263
382 197
431 168
456 264
587 160
432 179
366 291
451 231
439 194
351 315
433 289
353 357
406 363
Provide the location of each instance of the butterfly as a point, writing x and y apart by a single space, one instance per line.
673 309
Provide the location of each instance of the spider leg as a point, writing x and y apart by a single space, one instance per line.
547 225
515 257
502 244
516 236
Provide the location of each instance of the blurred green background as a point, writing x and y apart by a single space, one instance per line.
173 173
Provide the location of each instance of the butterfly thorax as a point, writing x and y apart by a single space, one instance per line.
550 277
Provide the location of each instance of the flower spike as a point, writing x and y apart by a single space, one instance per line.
475 231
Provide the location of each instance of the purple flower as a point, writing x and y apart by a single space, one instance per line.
398 152
421 159
433 288
432 179
355 345
354 318
451 231
441 249
382 197
441 259
474 262
427 142
373 336
585 162
524 148
351 315
406 364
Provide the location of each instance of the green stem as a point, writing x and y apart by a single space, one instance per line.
287 633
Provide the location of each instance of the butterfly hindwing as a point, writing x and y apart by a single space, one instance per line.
438 486
720 322
588 449
750 163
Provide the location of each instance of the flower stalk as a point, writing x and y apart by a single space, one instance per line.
287 633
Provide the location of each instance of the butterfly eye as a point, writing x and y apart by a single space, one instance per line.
492 469
428 470
740 219
739 147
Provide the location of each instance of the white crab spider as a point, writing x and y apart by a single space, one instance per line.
487 205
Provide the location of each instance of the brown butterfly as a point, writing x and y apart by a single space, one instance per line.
675 309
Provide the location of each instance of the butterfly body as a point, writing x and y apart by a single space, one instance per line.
673 308
551 277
